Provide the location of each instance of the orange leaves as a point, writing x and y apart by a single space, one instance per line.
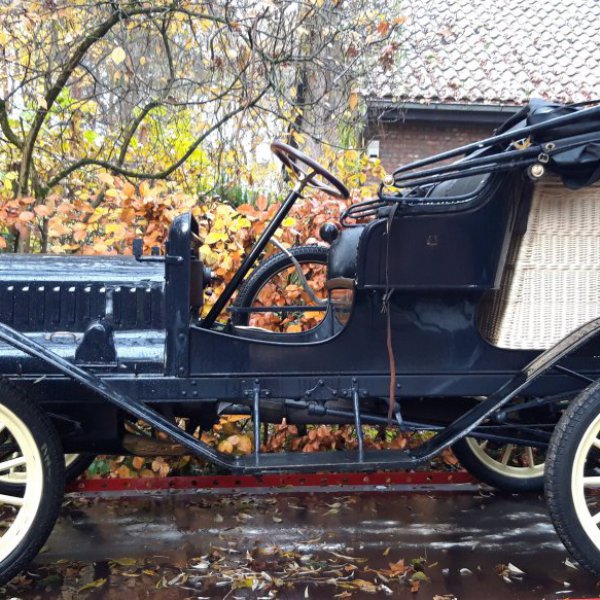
41 210
128 190
236 444
137 462
262 203
383 28
26 216
161 467
279 440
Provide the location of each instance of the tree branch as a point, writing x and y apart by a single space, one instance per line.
119 170
96 34
7 130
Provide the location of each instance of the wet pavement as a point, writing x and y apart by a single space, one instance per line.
468 545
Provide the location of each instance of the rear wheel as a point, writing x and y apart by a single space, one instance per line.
507 467
573 478
29 445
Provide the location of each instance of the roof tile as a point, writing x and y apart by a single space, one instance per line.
501 52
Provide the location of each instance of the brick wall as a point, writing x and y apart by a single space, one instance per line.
401 143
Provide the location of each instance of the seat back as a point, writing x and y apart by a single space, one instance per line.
552 279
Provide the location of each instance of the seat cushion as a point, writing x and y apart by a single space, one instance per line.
343 253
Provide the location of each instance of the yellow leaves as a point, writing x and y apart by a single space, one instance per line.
240 223
215 236
8 180
299 137
97 214
92 585
353 98
125 562
118 55
106 178
100 248
115 229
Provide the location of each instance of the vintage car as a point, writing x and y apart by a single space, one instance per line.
463 301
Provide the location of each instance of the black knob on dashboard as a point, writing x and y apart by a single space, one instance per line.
329 232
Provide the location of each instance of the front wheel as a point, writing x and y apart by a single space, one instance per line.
75 465
573 478
506 467
29 445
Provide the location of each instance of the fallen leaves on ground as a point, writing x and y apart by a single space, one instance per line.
268 572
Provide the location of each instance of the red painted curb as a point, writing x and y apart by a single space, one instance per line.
273 481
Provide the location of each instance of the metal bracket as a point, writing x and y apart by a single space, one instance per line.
357 419
97 347
320 392
138 247
256 393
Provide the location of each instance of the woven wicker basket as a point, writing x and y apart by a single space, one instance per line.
552 283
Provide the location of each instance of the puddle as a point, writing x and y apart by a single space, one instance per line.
460 541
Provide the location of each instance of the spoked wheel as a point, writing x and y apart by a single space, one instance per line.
507 467
29 446
276 282
75 465
573 478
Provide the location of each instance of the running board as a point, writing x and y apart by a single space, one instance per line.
361 459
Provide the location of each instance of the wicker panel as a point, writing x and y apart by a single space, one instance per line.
555 283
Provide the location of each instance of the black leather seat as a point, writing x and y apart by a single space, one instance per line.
343 254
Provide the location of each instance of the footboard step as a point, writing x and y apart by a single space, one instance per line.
453 481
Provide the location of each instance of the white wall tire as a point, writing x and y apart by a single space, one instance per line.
75 465
573 478
506 467
28 512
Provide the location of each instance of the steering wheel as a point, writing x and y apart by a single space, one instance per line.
315 176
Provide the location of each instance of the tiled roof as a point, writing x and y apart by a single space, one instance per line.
495 52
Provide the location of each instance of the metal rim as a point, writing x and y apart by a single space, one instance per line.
503 466
70 459
22 505
17 476
580 482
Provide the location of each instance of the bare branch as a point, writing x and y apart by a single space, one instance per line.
7 130
115 168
